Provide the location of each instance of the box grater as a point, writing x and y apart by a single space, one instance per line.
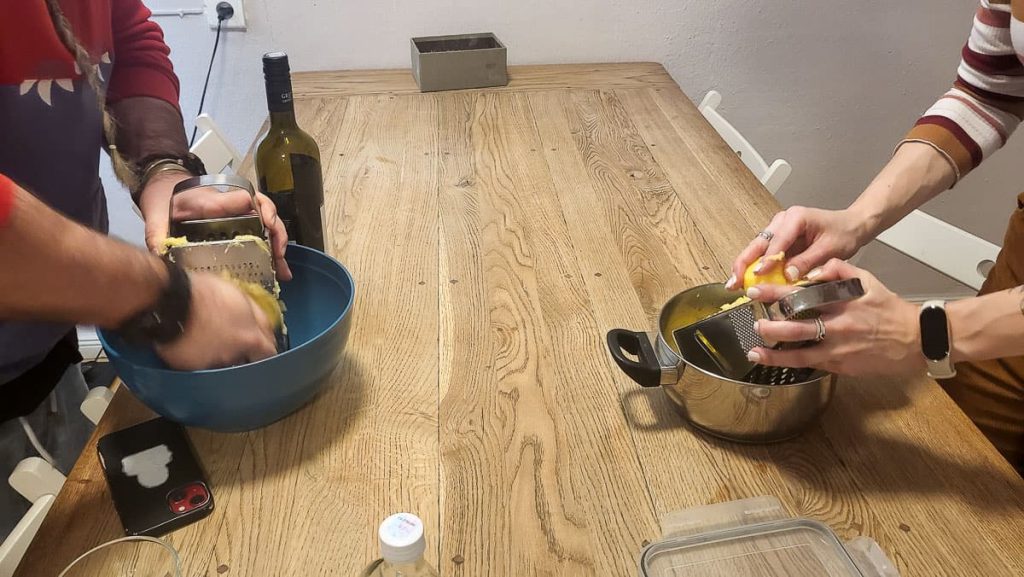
237 245
721 342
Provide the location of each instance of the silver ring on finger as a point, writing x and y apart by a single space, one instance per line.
820 324
766 234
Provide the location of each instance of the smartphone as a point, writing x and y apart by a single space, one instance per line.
154 477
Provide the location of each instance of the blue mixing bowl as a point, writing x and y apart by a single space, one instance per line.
318 301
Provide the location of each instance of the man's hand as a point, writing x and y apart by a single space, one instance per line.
224 328
155 203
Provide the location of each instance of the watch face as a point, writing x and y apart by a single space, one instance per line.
934 333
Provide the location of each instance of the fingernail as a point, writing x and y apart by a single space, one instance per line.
753 292
754 357
792 273
731 283
760 265
757 327
815 273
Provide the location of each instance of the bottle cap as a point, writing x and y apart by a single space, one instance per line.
275 64
401 538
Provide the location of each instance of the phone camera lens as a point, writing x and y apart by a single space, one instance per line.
197 500
177 496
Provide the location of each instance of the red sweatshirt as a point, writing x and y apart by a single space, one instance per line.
51 126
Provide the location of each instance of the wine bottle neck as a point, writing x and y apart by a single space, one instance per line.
282 119
279 94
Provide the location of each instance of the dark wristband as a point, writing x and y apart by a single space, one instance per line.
165 320
148 167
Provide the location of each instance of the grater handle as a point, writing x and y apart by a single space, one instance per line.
228 180
815 297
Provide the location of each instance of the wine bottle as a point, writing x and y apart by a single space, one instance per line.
288 160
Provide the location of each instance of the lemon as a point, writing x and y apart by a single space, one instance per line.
776 275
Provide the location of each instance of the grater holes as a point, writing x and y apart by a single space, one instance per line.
743 325
765 375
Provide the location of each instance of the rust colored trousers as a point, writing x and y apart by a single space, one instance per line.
992 392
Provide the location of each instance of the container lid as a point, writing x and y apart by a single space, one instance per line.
401 538
786 548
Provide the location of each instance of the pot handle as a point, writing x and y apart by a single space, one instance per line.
647 370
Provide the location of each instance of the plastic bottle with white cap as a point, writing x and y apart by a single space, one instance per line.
402 545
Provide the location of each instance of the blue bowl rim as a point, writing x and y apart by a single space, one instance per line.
341 317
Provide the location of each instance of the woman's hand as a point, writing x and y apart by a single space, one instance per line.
224 328
876 334
155 203
808 236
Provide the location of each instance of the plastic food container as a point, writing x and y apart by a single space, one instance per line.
756 538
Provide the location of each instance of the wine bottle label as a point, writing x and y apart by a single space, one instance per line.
301 208
279 96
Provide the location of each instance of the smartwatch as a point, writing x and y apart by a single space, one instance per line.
935 340
165 320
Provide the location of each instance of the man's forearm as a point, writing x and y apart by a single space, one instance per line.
914 175
987 327
148 126
151 127
52 269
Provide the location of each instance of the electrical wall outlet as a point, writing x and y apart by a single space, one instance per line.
237 20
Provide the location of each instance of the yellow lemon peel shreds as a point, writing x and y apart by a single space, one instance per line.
267 302
262 242
740 301
171 242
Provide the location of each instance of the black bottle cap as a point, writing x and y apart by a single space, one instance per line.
275 65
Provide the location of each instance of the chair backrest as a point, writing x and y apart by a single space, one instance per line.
942 246
771 176
213 148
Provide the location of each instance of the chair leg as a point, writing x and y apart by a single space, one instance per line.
13 548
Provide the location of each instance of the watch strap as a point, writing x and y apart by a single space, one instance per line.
165 320
939 368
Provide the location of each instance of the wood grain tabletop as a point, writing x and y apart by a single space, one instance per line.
495 237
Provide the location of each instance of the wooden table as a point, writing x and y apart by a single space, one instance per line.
495 236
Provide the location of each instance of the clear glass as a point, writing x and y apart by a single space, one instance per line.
127 557
418 569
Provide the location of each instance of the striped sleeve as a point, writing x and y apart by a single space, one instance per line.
6 199
976 117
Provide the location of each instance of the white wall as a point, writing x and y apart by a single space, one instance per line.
830 87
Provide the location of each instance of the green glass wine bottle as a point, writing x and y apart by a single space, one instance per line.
288 160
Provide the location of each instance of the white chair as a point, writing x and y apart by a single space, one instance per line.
955 253
39 482
213 148
772 176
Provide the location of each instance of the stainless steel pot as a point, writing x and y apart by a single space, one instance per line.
720 406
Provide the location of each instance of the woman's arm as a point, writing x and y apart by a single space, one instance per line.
914 175
987 327
964 127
